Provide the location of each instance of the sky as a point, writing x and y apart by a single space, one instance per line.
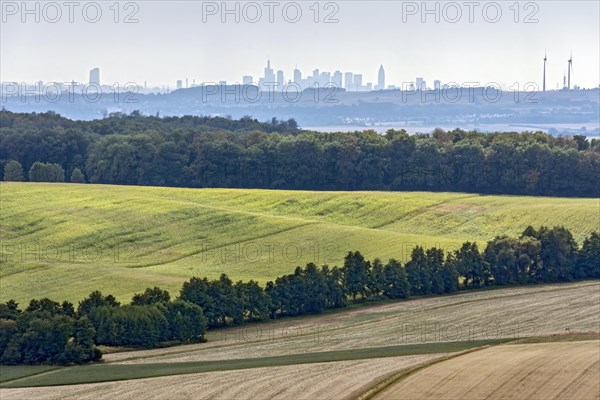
164 41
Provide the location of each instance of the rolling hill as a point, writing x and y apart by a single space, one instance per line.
64 240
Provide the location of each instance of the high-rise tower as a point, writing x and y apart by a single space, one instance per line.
95 76
381 79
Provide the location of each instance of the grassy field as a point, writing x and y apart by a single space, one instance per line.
526 371
9 373
64 240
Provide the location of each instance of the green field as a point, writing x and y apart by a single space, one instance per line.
12 372
115 372
64 240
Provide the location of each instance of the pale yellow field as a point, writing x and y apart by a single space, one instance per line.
505 313
528 371
333 380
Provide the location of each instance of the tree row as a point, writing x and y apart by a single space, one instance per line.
47 332
220 152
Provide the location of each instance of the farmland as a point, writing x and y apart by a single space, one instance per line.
503 313
64 241
303 357
526 371
321 380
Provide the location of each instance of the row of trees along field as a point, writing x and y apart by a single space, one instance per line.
221 152
41 172
49 332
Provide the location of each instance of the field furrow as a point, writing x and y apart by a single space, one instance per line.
566 370
334 380
504 313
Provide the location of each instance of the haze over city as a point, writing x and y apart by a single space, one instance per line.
192 42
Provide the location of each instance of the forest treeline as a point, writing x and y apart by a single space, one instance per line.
47 332
220 152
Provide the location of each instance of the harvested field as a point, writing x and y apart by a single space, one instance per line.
503 313
568 370
334 380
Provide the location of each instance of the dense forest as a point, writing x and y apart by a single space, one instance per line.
221 152
47 332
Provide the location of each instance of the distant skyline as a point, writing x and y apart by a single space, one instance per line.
171 42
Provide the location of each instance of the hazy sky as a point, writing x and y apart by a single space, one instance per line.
171 41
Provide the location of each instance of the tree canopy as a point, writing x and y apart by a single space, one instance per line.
220 152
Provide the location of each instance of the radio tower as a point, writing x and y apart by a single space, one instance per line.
570 68
545 61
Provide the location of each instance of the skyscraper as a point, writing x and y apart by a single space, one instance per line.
437 84
179 84
337 79
280 80
95 76
381 79
358 82
324 78
269 74
297 76
247 80
349 81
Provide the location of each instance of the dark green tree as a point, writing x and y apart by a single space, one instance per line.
588 262
186 321
356 274
255 302
376 278
450 274
77 176
396 283
334 281
196 291
9 310
8 330
46 172
435 265
418 273
471 266
558 254
151 296
501 256
13 171
94 300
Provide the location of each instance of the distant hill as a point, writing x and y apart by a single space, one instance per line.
454 106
